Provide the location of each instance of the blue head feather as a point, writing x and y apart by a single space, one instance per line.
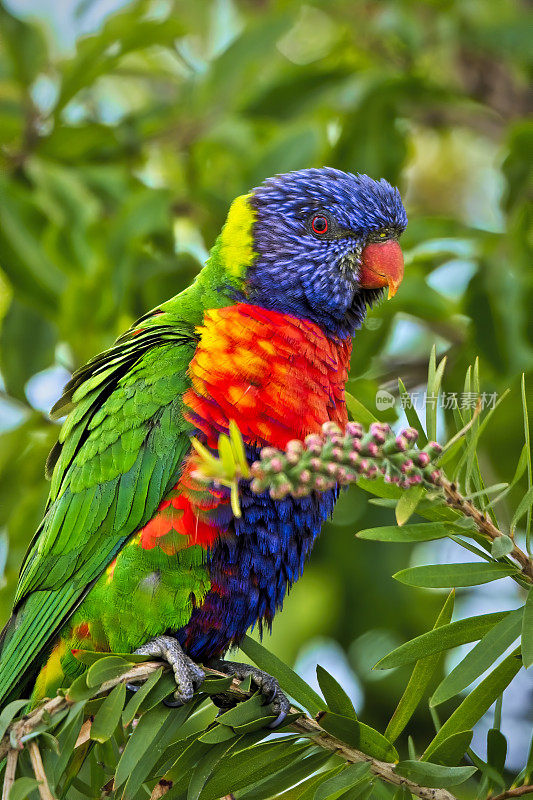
312 277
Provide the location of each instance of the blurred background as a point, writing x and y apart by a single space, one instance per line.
126 128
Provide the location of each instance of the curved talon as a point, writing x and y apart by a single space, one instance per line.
279 719
188 675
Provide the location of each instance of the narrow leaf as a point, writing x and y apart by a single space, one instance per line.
527 631
105 669
437 640
359 735
496 750
478 701
359 412
9 713
22 787
406 505
480 658
524 506
108 716
345 779
434 775
439 576
421 675
452 749
412 417
289 681
133 706
417 532
336 698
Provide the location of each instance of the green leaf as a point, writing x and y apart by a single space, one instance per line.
529 464
480 658
9 713
439 576
164 736
205 767
421 675
478 701
22 787
67 736
452 749
78 689
520 466
108 716
350 776
139 742
496 750
289 681
412 417
359 412
417 532
250 710
90 657
443 638
250 765
434 775
502 546
358 735
527 631
105 669
27 343
336 698
220 733
289 776
523 507
406 505
165 686
134 704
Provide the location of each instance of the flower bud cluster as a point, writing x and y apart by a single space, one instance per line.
335 457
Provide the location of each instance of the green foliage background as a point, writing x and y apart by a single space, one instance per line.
120 155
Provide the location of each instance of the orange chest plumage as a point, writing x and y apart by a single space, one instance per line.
277 376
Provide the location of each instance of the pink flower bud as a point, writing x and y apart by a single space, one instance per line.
354 429
422 459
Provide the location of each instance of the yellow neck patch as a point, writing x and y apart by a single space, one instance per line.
236 242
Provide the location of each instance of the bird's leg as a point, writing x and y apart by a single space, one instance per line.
188 675
267 685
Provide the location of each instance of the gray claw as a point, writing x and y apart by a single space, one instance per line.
267 685
188 675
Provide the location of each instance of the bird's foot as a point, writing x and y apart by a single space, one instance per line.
188 675
267 685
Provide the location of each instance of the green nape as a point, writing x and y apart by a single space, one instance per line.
225 270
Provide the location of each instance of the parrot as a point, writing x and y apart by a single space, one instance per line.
134 553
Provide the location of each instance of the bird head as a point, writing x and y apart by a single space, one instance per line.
318 243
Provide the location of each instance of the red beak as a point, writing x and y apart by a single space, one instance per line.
381 265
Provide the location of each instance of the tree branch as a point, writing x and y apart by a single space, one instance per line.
483 523
306 726
518 791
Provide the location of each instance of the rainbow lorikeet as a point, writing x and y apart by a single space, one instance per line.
134 553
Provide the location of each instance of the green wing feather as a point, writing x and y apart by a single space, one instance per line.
119 451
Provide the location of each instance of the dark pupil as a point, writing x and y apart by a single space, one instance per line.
320 224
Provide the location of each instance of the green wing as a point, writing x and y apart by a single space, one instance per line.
119 451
